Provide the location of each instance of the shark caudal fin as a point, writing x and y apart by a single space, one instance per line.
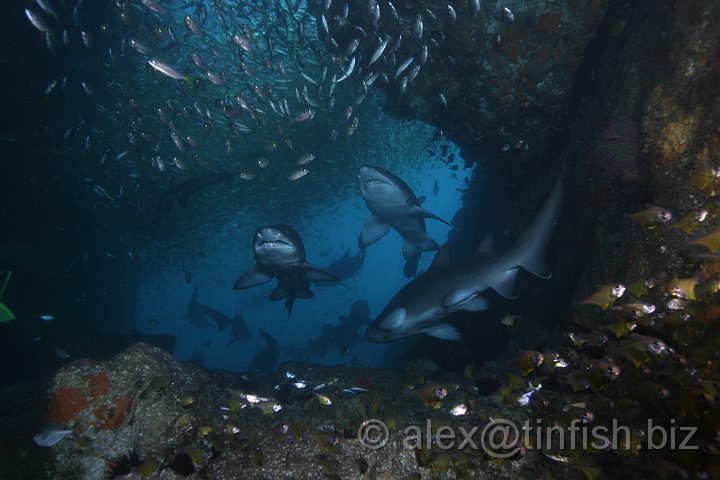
529 250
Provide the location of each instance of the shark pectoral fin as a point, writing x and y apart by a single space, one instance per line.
278 294
486 247
444 332
504 283
317 274
254 277
418 210
373 230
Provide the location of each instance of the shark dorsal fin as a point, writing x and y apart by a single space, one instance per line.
442 257
504 283
486 247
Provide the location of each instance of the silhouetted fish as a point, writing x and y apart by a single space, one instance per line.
267 357
180 193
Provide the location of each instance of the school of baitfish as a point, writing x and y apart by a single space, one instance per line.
188 85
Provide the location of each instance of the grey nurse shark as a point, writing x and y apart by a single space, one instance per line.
423 305
280 253
393 204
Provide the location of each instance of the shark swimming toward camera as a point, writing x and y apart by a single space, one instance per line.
423 305
393 204
280 253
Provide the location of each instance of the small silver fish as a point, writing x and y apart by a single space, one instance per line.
139 46
47 8
88 89
51 433
37 21
413 73
192 25
451 12
375 14
352 46
475 7
298 174
51 86
47 317
423 55
165 69
403 66
443 100
305 115
155 7
418 27
87 39
100 191
305 159
324 24
215 79
509 15
378 51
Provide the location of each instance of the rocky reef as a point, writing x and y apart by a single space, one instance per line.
145 415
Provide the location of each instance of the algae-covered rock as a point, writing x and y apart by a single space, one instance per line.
131 403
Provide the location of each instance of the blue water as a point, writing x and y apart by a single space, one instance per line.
331 230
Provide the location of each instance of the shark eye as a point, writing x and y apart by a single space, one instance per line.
395 319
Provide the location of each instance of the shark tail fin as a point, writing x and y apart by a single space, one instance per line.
531 247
